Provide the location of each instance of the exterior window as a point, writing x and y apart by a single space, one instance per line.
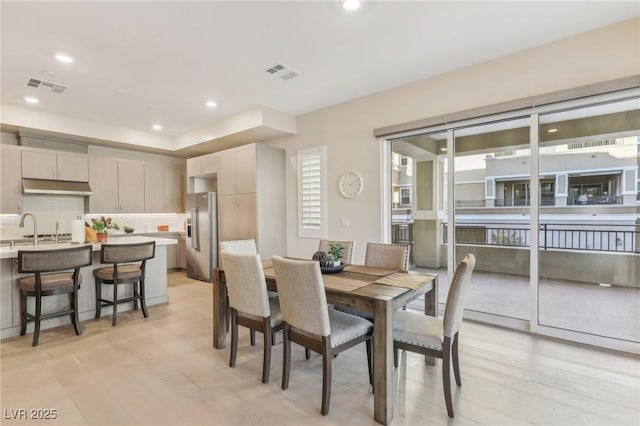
312 200
404 160
405 196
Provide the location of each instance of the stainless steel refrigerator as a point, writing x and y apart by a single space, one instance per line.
202 235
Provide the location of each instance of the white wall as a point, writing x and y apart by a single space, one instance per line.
347 129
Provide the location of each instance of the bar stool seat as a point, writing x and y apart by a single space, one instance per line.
123 271
49 281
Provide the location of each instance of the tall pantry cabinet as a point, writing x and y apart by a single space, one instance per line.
251 197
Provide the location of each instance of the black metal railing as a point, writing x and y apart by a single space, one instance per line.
402 233
595 200
608 238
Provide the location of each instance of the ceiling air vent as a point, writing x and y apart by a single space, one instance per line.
54 87
283 72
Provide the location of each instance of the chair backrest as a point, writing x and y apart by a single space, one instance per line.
303 302
457 296
246 285
54 260
347 256
125 253
390 256
237 246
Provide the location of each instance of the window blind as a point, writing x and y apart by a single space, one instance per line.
311 211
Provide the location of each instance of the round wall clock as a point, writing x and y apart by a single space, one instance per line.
350 185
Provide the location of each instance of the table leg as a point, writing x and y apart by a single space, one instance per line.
382 362
431 308
219 311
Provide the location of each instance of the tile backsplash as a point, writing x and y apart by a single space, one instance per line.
49 209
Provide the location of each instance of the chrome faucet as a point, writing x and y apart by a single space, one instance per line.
35 227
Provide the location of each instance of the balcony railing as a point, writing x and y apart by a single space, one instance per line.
608 238
595 200
402 233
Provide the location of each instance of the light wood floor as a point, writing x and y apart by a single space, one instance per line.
163 370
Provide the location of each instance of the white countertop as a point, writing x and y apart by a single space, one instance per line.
9 253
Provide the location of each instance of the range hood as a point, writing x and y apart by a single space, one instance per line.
55 187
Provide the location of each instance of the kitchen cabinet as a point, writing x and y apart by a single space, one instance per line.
163 189
254 204
11 175
203 165
237 171
117 185
55 166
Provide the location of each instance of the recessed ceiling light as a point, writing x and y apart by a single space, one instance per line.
443 149
211 104
157 127
552 130
64 58
351 4
32 100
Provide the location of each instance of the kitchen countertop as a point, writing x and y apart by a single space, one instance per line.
9 252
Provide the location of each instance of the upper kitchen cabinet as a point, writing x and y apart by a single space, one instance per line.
55 166
11 175
163 189
203 165
117 185
259 214
238 170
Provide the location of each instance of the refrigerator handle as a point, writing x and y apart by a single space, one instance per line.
195 231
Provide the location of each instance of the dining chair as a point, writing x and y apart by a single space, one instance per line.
389 256
437 337
308 322
347 257
240 247
250 304
128 267
44 283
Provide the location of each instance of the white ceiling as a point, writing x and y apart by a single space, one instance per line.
139 63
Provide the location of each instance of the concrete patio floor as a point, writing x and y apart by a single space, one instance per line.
577 306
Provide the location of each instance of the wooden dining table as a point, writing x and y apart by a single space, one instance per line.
375 290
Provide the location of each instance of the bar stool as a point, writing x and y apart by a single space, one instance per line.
40 284
123 271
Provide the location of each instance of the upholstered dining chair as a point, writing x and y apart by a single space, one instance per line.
390 256
308 322
128 267
250 304
437 337
239 247
346 245
44 283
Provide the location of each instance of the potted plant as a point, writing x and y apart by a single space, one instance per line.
101 226
336 251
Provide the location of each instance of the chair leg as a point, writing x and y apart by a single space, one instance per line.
327 361
307 354
75 319
370 360
23 314
143 302
273 338
136 295
114 316
286 356
252 337
266 356
98 298
446 374
454 359
227 312
234 338
396 357
36 329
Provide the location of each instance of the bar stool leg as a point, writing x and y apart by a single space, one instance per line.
136 295
36 330
23 314
143 302
75 319
115 304
98 298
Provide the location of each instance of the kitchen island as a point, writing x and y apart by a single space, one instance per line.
155 284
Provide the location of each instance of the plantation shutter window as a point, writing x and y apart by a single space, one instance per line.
311 193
